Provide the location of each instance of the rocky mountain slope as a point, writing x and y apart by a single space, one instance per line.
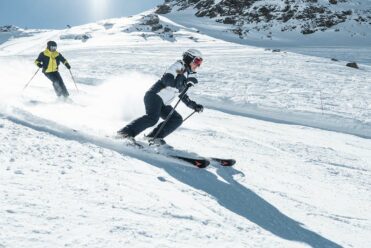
300 16
8 28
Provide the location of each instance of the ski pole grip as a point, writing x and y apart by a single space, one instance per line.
189 85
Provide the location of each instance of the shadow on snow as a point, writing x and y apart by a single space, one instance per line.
232 195
244 202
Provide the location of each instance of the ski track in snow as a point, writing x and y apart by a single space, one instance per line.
292 186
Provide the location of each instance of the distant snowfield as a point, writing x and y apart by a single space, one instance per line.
358 54
64 183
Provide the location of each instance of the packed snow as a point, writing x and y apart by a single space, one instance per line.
298 126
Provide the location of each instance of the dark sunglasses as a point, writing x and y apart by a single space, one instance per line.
53 48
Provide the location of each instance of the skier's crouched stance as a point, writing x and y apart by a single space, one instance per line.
158 98
49 60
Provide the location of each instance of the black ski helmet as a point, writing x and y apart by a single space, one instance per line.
50 44
190 55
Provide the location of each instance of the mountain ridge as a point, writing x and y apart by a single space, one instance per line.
300 16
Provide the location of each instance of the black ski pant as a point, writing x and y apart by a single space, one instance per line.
58 84
155 108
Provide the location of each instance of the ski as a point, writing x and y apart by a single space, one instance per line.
224 162
198 162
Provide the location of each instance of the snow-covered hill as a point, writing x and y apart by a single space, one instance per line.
283 21
8 28
64 183
8 32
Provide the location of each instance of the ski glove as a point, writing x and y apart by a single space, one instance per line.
39 65
68 66
198 108
191 81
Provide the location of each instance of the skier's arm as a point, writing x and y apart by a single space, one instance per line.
192 104
64 61
39 60
168 79
173 77
189 82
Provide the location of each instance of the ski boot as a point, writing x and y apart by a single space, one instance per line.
157 142
131 140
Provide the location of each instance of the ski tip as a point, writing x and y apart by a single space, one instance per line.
201 163
224 162
229 162
198 162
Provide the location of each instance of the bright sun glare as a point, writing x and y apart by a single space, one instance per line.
98 8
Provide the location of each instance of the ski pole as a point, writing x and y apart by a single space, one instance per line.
189 116
30 79
170 114
73 79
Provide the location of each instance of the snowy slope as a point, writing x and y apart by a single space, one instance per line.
10 32
64 183
283 87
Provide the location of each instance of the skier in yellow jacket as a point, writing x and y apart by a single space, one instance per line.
49 61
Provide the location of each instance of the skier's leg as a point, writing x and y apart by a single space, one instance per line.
173 123
153 104
57 88
58 85
52 77
61 85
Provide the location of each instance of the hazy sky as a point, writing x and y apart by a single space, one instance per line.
59 13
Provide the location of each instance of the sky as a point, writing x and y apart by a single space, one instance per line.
56 14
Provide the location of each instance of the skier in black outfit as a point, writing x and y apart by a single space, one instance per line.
49 60
158 98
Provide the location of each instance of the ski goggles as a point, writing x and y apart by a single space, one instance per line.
53 48
197 61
